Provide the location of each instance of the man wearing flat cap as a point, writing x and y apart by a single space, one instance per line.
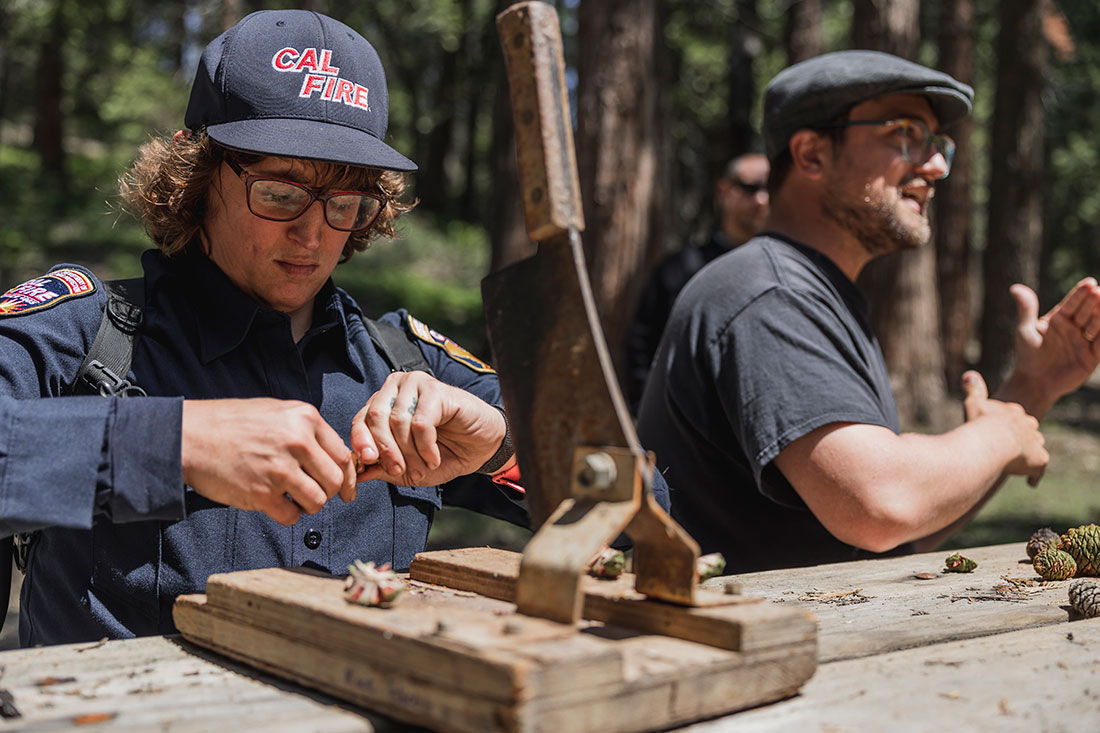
769 406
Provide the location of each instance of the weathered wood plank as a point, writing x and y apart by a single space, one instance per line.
729 622
159 683
548 676
875 606
353 678
1041 679
471 645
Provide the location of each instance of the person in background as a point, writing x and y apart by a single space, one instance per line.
741 207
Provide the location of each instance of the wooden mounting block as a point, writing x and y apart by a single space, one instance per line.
456 660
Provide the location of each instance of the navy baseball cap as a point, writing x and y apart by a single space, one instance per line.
823 88
296 84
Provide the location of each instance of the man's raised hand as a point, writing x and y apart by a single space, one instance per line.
1020 428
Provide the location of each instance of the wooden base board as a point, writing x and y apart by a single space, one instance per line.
457 661
733 622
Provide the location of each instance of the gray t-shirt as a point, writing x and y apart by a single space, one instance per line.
764 345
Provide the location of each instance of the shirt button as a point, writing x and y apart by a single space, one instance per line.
312 539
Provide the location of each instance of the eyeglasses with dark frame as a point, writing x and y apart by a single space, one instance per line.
916 137
276 199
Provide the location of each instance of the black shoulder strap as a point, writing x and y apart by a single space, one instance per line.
105 366
396 347
6 557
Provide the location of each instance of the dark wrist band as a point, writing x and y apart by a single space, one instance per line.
504 452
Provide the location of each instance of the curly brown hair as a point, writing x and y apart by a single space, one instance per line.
166 189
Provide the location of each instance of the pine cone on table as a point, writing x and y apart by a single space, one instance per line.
1083 543
1041 540
1084 596
1054 564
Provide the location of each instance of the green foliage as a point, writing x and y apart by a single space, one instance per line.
433 269
44 225
139 99
1072 180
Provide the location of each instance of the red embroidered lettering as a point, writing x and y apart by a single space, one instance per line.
312 83
361 97
329 85
308 60
343 91
326 63
283 60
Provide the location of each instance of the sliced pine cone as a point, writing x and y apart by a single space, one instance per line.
1083 543
1054 564
710 566
959 564
609 563
1041 540
1084 596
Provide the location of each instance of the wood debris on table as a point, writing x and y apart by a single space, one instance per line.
843 598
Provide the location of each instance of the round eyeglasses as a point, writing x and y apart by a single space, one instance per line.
276 199
918 144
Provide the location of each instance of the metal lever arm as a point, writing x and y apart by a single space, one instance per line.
556 375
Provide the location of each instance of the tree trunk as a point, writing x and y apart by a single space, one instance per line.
803 30
952 203
479 43
507 228
1015 196
433 189
745 45
232 12
48 119
618 151
887 25
902 286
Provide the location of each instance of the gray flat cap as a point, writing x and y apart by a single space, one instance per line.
823 88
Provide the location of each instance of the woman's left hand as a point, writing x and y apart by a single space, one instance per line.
418 431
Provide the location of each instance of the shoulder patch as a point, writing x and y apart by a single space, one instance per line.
46 292
453 350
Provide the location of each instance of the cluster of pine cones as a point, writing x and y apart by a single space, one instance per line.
1076 553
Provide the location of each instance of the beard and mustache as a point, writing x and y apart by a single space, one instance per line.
875 222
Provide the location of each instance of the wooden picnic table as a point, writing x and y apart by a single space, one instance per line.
902 645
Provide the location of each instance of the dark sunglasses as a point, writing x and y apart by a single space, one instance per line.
750 188
276 199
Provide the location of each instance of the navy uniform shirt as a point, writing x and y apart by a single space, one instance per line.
123 536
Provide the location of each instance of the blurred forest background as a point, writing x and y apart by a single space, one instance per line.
664 92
